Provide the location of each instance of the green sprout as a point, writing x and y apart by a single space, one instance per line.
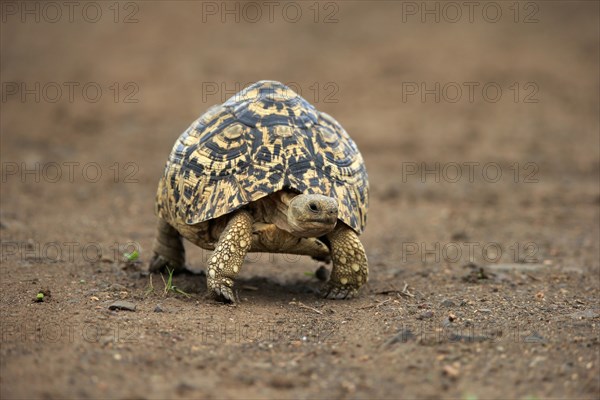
150 287
169 287
133 256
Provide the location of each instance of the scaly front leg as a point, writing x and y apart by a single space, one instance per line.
350 269
228 257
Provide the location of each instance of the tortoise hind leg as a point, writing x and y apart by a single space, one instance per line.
168 249
228 257
350 268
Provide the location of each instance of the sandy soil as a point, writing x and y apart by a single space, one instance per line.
480 133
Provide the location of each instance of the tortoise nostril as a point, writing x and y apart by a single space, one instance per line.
313 207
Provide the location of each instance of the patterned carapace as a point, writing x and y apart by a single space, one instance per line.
264 139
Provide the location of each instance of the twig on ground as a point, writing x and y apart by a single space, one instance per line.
302 305
405 291
380 303
533 277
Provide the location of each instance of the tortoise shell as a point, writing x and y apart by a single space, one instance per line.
263 139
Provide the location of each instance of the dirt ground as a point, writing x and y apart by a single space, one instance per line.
480 133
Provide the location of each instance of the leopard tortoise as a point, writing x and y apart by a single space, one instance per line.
264 172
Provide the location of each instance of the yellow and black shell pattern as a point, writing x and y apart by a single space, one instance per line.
264 139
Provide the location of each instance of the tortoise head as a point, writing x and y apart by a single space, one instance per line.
312 215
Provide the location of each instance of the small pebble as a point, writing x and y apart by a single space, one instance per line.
117 287
425 315
448 303
282 382
451 371
534 338
122 305
523 267
158 308
589 313
539 295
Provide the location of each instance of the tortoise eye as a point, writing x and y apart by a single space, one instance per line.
313 207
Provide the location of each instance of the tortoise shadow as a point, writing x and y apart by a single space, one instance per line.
194 282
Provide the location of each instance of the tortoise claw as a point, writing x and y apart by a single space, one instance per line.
222 290
339 292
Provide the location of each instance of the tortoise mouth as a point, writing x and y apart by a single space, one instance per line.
312 228
325 221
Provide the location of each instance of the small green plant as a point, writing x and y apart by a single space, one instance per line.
131 257
150 287
40 297
169 287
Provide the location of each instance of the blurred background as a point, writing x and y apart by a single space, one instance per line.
414 84
476 121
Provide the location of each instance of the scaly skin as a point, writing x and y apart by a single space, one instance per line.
350 269
168 249
228 257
